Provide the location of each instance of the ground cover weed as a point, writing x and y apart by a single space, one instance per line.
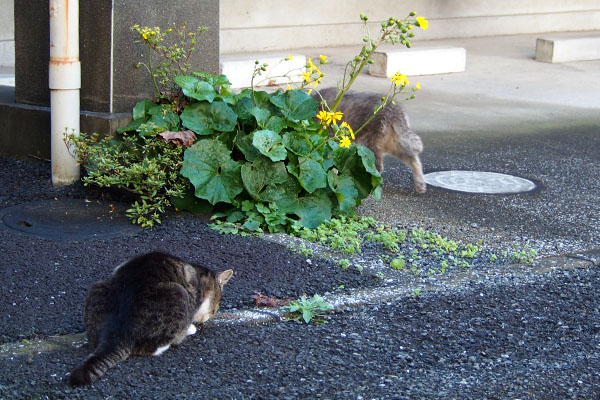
417 251
308 309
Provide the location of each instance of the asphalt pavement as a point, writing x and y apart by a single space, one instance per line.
496 331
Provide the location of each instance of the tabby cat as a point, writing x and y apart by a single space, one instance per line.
149 303
388 133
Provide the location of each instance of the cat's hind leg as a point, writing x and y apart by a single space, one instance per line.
417 170
96 311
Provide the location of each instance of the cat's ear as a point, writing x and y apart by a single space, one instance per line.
224 277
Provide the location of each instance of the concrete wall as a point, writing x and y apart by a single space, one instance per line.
7 34
110 82
265 25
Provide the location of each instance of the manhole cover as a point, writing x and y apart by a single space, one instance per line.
68 219
479 182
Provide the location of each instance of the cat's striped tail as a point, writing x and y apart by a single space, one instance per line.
97 364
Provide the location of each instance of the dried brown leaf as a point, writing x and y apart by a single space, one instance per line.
181 138
265 301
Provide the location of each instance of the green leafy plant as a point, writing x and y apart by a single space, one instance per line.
344 263
267 161
524 255
148 169
398 263
307 309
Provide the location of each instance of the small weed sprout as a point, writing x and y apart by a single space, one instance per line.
344 263
307 309
525 255
398 263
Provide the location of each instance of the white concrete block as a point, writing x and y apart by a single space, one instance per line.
426 61
239 69
556 50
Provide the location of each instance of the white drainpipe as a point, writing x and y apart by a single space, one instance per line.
64 83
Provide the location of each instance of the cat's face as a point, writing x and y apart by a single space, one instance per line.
212 298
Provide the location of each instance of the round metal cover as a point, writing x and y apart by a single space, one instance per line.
479 182
68 219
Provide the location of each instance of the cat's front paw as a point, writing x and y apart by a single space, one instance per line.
191 330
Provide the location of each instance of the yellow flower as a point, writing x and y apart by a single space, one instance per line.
344 141
306 77
323 59
418 85
334 117
289 87
423 23
323 116
347 126
145 35
169 30
399 79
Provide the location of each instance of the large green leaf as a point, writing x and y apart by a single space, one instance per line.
140 110
368 159
311 208
269 144
350 163
195 88
205 118
256 176
344 190
296 105
219 82
162 120
276 124
262 99
243 141
209 167
297 142
310 174
262 116
190 202
286 190
243 104
140 116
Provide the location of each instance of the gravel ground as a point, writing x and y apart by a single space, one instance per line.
493 334
535 337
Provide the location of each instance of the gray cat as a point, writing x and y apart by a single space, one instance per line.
388 133
149 303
